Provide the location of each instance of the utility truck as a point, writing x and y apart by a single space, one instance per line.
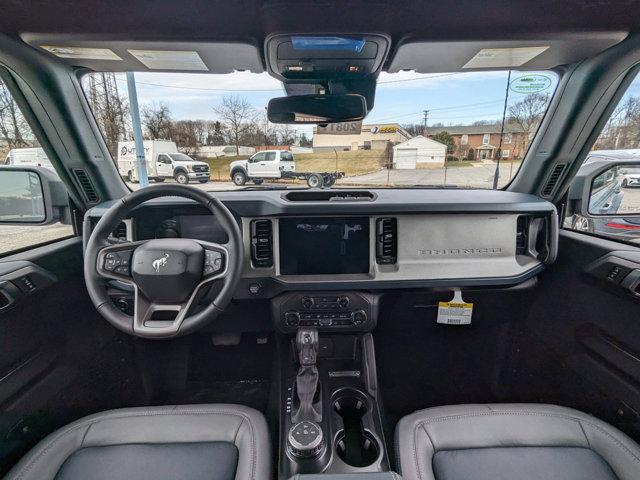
277 164
163 161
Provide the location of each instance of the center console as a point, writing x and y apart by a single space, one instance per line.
330 419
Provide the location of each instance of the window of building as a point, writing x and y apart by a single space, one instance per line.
505 153
485 138
464 140
507 138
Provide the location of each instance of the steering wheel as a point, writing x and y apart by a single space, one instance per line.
169 275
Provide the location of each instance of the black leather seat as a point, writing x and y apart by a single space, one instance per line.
191 442
512 441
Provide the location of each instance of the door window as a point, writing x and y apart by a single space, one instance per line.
604 196
258 157
270 156
19 146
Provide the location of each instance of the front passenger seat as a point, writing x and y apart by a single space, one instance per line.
190 442
512 441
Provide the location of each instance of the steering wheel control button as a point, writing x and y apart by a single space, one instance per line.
305 439
212 262
111 261
254 288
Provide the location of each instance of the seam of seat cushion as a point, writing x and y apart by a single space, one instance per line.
151 413
422 424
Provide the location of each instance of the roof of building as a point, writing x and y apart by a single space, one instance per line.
417 141
475 129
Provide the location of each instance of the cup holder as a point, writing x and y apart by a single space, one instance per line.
354 445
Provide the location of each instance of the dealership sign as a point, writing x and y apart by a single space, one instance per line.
384 129
342 128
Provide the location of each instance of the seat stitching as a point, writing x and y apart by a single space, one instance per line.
585 434
422 424
116 416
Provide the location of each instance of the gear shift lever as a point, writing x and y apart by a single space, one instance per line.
307 343
307 380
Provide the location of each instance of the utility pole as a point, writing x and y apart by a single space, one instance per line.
426 117
141 164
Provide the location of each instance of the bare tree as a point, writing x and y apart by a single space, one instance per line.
187 135
110 109
238 115
623 128
157 121
527 115
14 130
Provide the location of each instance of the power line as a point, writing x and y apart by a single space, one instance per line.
206 89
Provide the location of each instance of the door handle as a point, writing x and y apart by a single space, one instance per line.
8 295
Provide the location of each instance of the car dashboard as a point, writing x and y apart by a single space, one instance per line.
374 239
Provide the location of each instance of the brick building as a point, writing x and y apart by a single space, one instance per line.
484 140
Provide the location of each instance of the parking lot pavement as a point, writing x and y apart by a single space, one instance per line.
13 237
478 175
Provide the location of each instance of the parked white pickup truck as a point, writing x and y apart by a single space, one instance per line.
277 164
163 161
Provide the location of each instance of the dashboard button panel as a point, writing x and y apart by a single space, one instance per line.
352 311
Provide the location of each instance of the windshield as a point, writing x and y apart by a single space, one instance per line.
180 157
460 129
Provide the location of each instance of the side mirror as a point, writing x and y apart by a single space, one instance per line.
32 195
317 109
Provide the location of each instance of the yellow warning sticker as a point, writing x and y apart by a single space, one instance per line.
455 312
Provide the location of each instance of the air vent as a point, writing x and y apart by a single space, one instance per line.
86 185
553 179
262 243
120 232
386 241
522 235
330 196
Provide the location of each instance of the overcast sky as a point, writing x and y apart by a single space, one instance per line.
451 98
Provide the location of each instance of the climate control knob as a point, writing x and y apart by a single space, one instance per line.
359 317
291 319
343 302
307 302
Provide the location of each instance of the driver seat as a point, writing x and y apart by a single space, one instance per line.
189 442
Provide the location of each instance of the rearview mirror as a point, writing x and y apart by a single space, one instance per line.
32 195
317 108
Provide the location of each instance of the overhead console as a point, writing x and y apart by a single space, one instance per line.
315 58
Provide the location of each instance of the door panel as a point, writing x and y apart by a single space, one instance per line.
580 345
59 360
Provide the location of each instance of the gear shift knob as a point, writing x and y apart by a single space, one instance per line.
307 344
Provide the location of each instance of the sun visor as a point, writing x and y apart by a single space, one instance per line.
425 56
164 56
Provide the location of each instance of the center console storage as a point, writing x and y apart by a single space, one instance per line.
355 443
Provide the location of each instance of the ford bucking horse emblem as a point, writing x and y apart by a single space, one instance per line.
158 263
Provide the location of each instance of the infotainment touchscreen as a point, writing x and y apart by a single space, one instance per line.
322 246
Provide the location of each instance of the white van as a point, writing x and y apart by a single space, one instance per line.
163 161
34 156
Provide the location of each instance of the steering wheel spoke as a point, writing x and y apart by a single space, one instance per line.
114 261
